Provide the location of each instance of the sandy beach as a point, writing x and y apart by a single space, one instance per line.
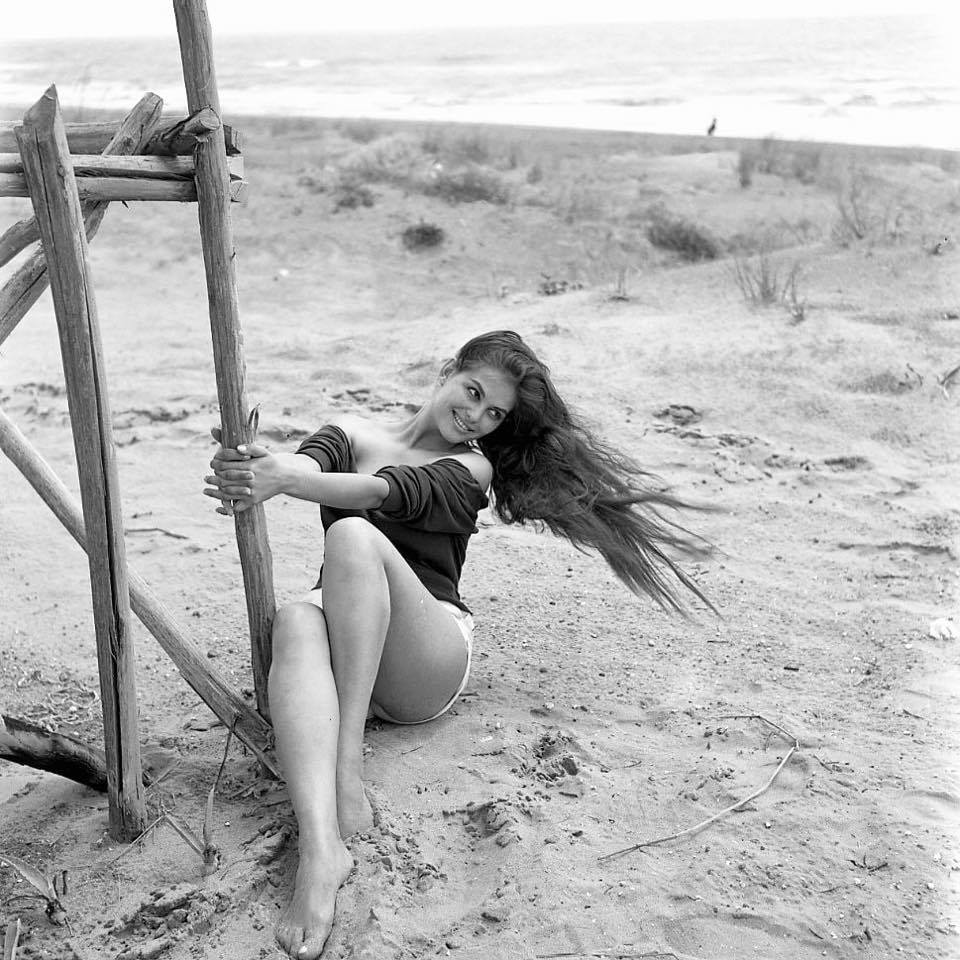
820 425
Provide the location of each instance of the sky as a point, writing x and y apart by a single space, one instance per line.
70 18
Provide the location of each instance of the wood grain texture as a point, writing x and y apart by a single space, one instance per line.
212 178
24 288
249 727
171 137
29 744
56 204
106 165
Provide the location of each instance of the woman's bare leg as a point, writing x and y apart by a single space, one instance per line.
382 634
306 720
389 639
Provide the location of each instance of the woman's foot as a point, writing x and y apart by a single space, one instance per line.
354 813
305 923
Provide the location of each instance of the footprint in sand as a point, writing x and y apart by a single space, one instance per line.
497 819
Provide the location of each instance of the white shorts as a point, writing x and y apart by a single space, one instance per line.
466 625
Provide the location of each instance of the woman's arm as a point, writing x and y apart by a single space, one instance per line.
251 474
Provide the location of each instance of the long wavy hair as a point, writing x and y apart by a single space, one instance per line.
550 469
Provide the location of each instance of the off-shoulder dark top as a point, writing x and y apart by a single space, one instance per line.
428 515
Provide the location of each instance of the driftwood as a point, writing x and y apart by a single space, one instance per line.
171 137
237 715
53 192
26 743
105 165
24 288
93 189
216 236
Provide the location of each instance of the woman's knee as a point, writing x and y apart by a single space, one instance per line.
352 539
298 626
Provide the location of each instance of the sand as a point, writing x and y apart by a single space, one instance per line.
592 720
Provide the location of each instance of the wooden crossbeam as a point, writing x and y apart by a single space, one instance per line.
123 188
171 138
216 235
56 204
24 288
105 165
211 686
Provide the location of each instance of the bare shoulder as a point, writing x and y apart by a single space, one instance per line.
478 465
354 426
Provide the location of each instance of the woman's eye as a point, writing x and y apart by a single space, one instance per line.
473 392
496 414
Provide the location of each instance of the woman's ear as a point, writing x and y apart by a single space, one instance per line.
447 370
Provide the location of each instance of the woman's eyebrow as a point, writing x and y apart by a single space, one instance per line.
483 394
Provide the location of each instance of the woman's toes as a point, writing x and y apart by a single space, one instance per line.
312 946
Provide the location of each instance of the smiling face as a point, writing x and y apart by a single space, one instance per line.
473 402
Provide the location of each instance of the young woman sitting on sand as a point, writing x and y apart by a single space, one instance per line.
390 633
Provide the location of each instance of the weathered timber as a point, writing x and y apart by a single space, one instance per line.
119 188
29 744
24 288
104 165
56 205
250 728
17 238
199 75
171 138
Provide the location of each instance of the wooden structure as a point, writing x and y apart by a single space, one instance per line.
71 172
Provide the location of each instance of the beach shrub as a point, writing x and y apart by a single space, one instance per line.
396 159
470 184
886 381
349 195
535 173
470 149
763 282
681 236
868 208
360 131
422 235
746 164
806 164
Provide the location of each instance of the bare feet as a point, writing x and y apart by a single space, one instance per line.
305 924
354 813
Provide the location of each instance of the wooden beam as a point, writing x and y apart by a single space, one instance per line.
56 205
105 165
29 744
250 728
172 137
120 188
216 235
24 288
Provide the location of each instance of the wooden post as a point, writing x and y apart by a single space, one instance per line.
47 167
196 52
251 729
24 288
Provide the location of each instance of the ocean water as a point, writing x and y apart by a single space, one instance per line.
889 80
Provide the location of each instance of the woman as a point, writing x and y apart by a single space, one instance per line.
387 632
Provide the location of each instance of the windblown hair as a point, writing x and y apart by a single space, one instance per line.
549 468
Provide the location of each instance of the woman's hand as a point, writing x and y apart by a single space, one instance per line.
245 476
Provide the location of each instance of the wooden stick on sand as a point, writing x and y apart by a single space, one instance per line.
734 806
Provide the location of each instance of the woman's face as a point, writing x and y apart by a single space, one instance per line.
471 403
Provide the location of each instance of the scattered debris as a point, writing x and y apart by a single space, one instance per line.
733 807
548 287
44 885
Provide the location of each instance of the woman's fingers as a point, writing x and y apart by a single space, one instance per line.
253 450
228 491
225 473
